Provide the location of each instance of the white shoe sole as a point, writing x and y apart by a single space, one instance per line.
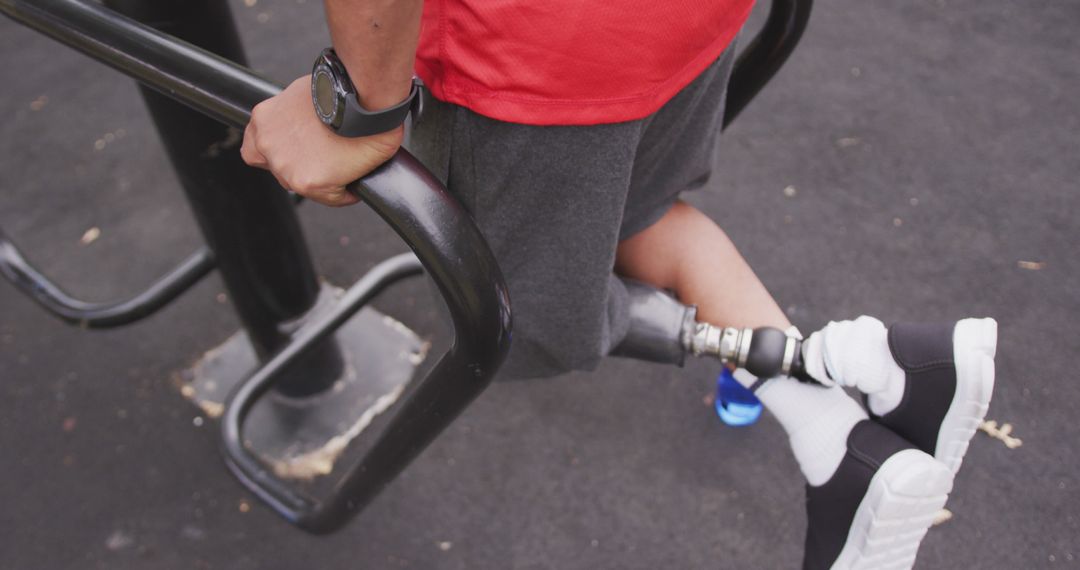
974 346
904 496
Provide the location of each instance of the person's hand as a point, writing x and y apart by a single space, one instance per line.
286 138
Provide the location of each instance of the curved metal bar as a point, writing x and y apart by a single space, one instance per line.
27 279
766 53
445 240
246 467
402 192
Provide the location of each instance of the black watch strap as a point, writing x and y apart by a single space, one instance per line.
359 122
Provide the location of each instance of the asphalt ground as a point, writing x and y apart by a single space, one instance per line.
931 152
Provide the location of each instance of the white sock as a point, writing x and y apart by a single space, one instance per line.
817 421
856 354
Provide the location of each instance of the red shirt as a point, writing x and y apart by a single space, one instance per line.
570 62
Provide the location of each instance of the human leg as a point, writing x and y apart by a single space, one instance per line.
553 202
871 495
686 252
946 370
668 254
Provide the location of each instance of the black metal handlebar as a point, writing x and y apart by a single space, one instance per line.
413 202
766 53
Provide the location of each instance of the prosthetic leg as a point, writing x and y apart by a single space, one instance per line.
664 330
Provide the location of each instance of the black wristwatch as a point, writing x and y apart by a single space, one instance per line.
338 108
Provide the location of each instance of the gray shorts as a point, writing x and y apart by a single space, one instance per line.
554 202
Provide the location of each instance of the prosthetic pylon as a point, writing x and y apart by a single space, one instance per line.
664 330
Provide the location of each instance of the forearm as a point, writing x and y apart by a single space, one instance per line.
376 39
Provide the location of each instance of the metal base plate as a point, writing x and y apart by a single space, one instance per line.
301 438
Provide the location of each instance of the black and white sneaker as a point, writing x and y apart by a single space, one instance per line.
878 505
950 379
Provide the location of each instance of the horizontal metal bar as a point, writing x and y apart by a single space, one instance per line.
27 279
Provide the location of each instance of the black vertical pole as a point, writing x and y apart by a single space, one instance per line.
247 219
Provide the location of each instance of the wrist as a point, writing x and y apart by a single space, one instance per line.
357 109
393 139
383 95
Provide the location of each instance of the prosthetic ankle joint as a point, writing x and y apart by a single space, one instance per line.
665 330
764 352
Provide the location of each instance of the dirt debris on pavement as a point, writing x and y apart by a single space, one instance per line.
90 236
1003 433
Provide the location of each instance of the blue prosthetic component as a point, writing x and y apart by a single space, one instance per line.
735 404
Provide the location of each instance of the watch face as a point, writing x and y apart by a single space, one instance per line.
324 93
327 90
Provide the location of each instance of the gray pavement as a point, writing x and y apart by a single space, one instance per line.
933 151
